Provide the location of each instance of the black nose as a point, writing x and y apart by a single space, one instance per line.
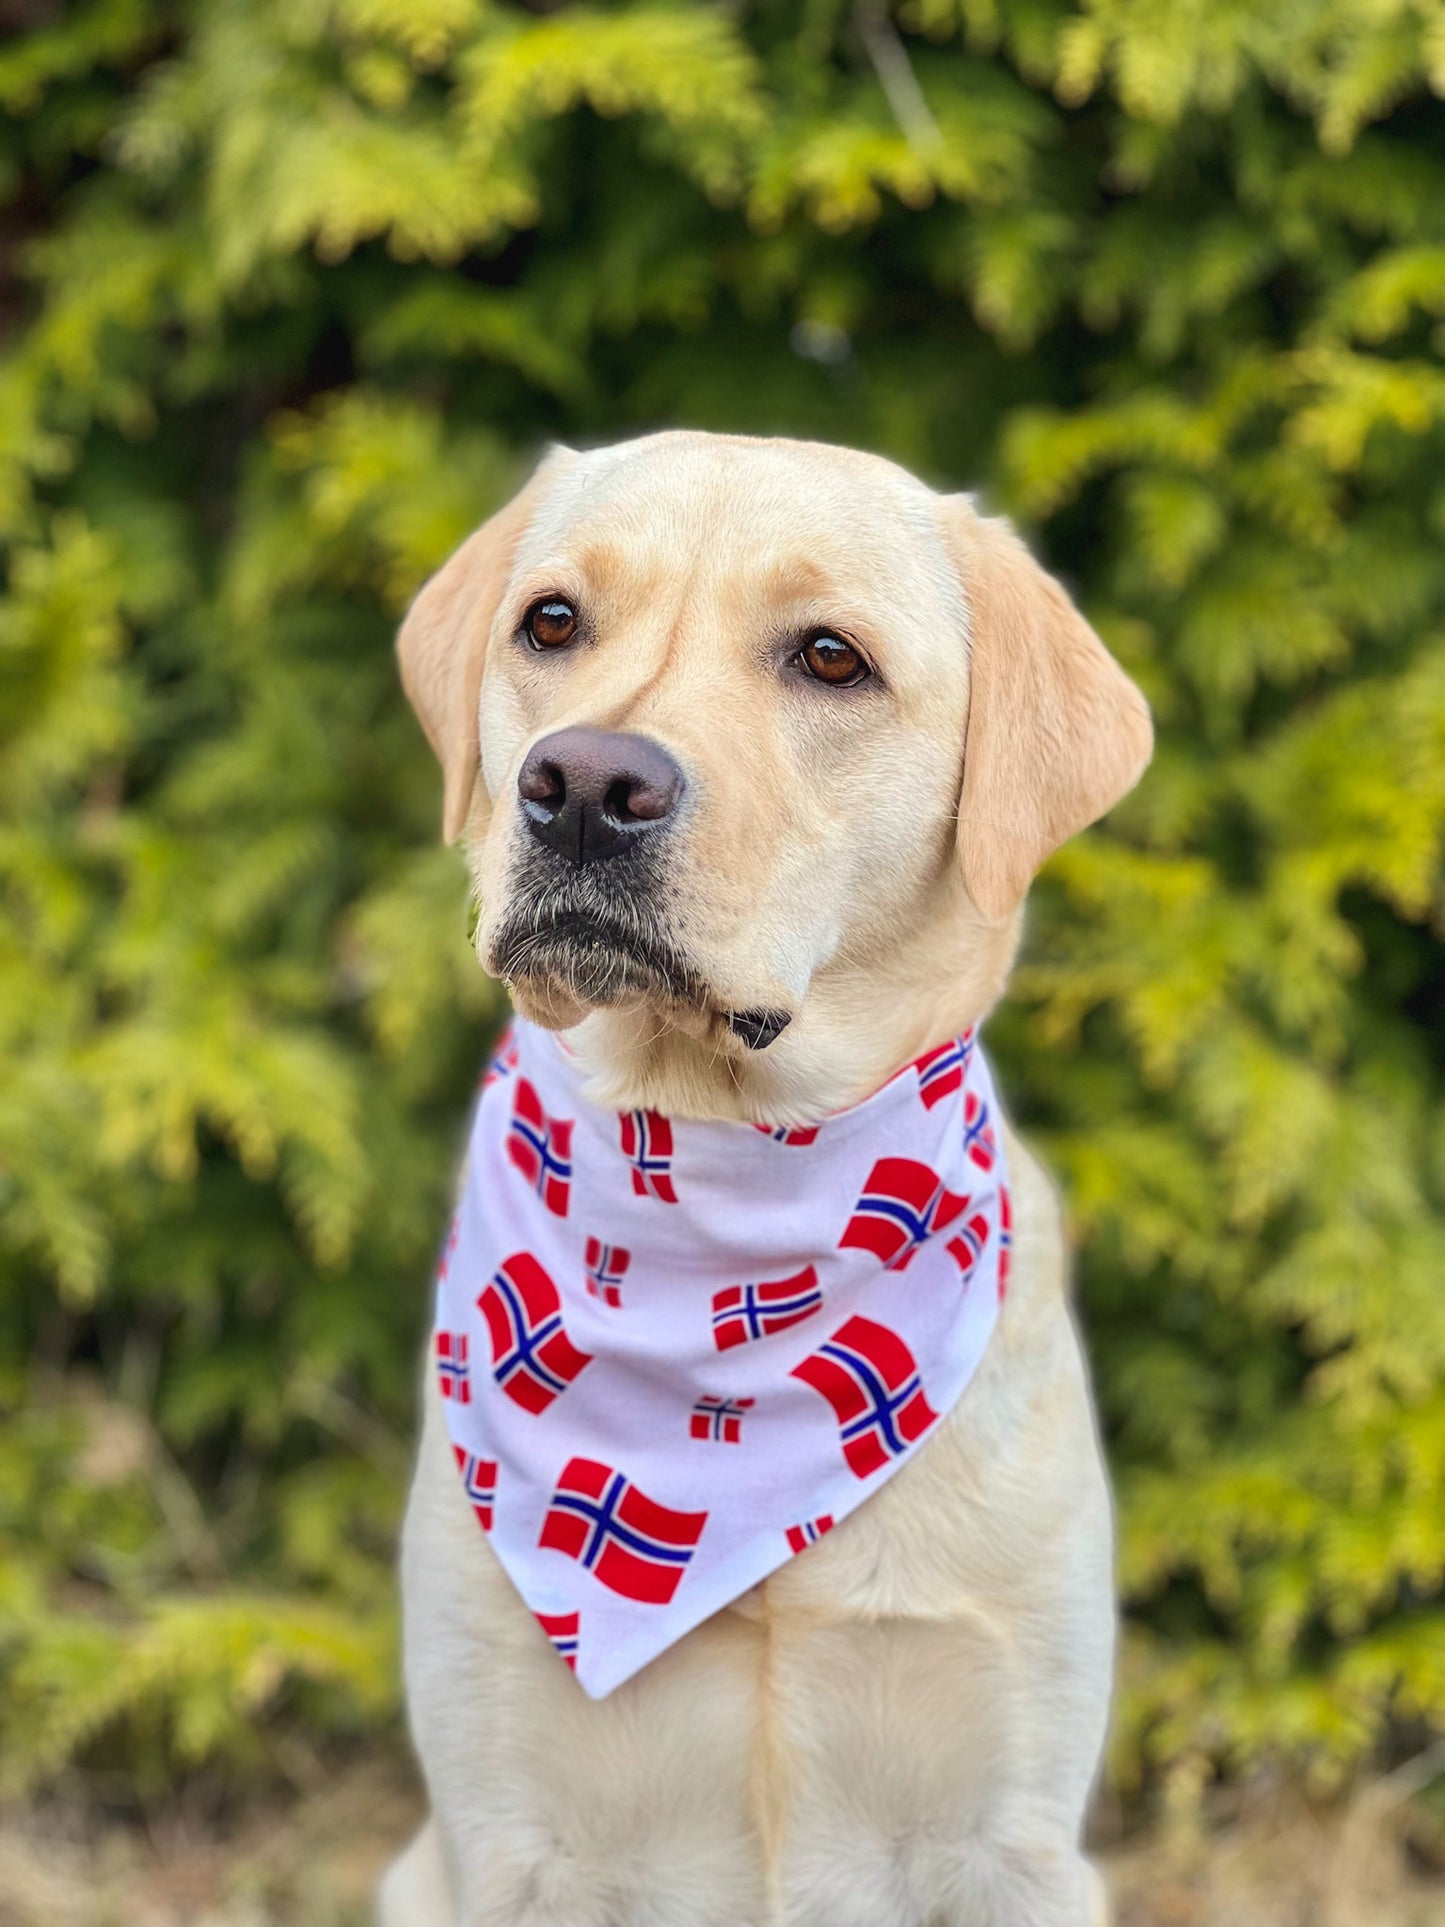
594 793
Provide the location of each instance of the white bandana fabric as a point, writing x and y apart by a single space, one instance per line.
673 1354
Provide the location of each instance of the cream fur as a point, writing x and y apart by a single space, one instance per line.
900 1727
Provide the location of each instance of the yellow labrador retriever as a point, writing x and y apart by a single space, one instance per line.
884 717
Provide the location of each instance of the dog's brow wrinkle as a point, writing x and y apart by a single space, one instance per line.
603 566
798 580
686 579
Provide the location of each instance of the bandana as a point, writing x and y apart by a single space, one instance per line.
672 1354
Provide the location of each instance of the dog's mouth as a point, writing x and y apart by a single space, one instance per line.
576 944
595 951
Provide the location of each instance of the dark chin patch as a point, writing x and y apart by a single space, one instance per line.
758 1028
597 932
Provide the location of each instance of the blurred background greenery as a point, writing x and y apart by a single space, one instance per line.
291 293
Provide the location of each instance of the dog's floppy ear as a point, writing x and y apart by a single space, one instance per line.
1056 731
442 645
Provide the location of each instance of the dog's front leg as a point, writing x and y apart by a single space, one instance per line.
924 1788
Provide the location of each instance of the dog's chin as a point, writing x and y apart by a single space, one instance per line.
558 990
546 1002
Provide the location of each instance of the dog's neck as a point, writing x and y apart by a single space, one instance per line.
863 1017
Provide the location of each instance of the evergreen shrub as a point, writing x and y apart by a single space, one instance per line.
292 291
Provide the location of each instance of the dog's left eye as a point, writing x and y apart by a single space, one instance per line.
827 658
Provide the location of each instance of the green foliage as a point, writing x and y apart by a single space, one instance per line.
299 290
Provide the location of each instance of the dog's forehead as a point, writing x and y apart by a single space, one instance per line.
795 519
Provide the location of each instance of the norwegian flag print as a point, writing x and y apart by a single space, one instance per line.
720 1419
454 1371
742 1313
968 1247
941 1071
1005 1237
564 1630
795 1134
479 1480
533 1359
809 1531
902 1205
541 1148
630 1543
978 1138
869 1377
606 1268
647 1145
503 1060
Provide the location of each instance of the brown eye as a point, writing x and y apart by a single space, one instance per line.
551 623
827 658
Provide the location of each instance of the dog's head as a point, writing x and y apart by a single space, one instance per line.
754 719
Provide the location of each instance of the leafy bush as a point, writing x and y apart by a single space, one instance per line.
295 290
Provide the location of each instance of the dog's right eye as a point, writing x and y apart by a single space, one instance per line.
551 623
